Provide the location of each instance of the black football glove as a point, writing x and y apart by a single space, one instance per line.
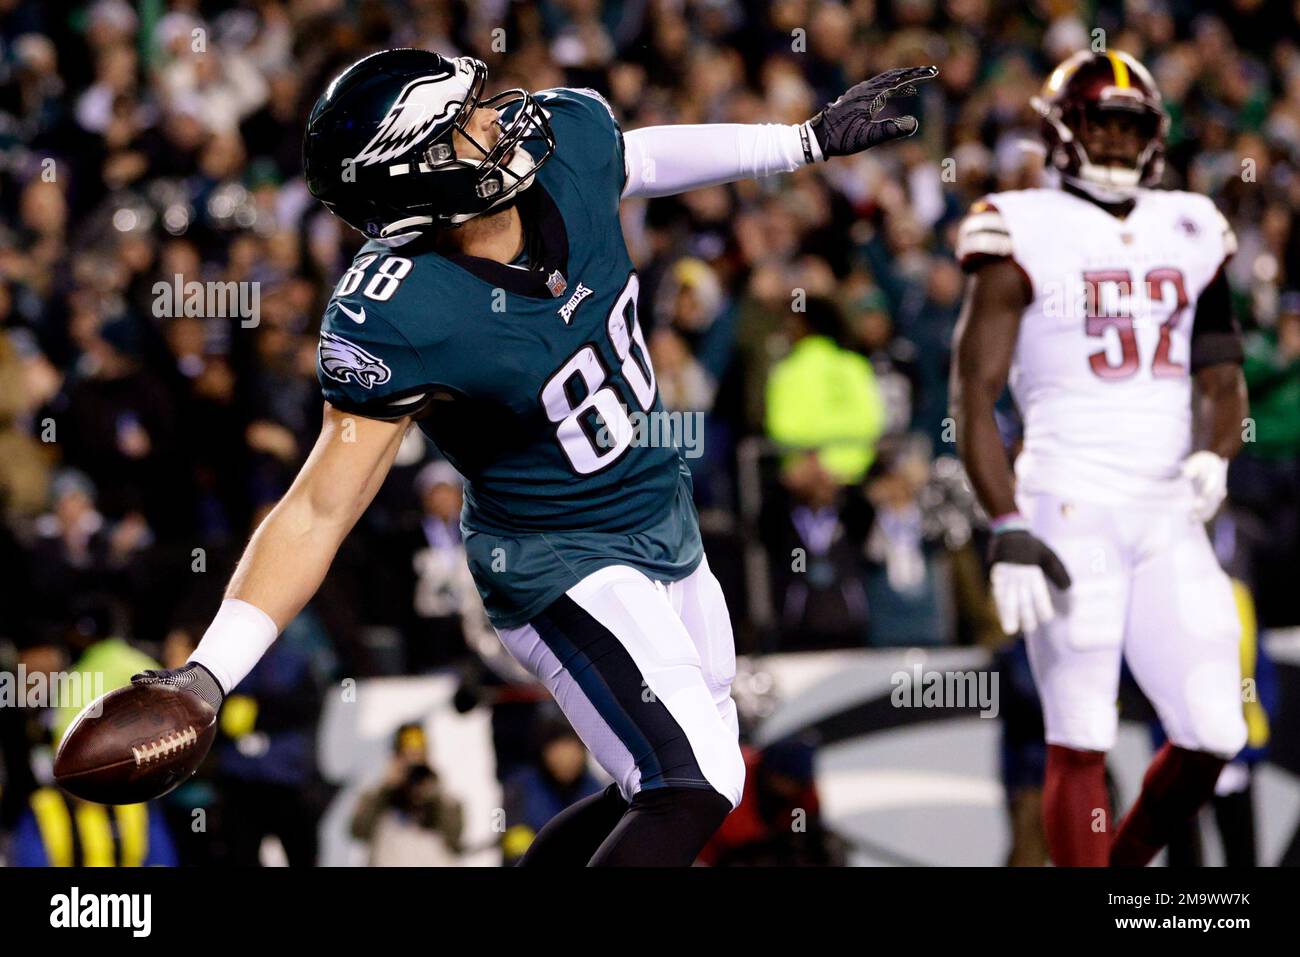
849 125
1022 567
191 677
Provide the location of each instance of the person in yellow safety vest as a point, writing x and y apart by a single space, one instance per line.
59 830
824 398
104 666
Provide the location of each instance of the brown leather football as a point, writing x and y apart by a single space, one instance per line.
134 744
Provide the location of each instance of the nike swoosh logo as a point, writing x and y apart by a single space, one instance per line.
357 317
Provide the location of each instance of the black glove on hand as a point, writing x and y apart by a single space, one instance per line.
849 126
1022 566
1019 547
191 677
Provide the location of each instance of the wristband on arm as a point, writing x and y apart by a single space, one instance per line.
1010 522
238 637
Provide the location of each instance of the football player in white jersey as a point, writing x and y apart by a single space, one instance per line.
1103 304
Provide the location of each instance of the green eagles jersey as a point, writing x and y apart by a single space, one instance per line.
530 378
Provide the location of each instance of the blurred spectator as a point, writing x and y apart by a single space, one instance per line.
813 529
691 351
58 830
409 821
117 423
444 590
778 822
62 831
905 585
76 551
535 794
26 382
102 657
824 397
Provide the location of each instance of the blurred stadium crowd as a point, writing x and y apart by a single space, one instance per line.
159 142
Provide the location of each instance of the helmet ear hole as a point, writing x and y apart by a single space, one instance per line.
439 153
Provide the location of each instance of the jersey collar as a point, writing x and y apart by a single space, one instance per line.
547 243
1121 210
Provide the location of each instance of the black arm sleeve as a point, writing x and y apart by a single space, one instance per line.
1216 337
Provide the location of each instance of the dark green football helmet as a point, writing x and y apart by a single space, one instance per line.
379 149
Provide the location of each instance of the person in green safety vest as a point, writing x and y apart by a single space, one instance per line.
824 398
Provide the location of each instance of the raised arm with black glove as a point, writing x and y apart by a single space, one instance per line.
849 124
667 160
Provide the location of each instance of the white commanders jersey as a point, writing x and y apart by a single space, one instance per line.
1102 365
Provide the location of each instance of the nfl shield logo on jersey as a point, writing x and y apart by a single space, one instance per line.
556 283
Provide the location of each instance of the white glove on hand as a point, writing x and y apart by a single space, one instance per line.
1208 475
1020 592
1022 567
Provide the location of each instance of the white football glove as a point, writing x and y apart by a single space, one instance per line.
1022 567
1208 475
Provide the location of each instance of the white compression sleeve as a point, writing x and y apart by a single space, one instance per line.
236 640
663 160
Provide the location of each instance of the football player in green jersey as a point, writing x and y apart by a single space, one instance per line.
495 305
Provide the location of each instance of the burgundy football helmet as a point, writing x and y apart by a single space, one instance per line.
1081 90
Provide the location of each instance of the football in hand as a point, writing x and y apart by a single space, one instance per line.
134 744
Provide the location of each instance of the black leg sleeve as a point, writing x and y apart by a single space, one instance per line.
664 827
572 836
1235 815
